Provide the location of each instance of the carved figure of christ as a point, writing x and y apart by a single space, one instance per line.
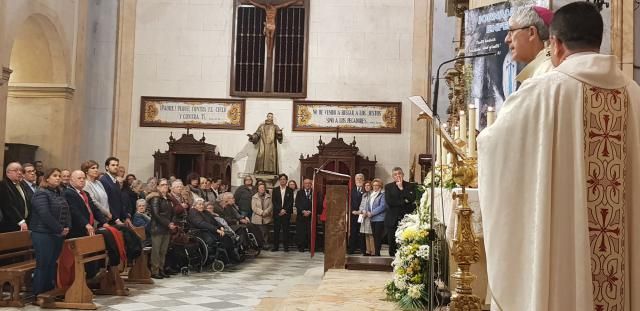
269 29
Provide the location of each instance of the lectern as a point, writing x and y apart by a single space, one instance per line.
336 226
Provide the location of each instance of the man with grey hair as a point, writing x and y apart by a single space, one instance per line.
14 202
400 196
527 37
355 239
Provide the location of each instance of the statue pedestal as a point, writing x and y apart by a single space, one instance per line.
270 180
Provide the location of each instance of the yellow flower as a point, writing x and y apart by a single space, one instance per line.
409 234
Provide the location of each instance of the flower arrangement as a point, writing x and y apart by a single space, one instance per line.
410 265
440 176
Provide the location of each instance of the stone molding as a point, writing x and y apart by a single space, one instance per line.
41 91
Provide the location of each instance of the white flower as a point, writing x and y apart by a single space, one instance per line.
423 252
415 291
401 282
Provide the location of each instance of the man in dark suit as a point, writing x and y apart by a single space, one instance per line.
14 200
355 238
85 216
282 199
112 187
303 220
401 200
29 180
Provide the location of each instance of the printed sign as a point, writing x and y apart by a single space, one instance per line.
362 117
192 112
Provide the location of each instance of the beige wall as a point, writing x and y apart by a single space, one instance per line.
356 52
42 41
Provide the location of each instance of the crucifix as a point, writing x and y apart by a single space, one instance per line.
269 29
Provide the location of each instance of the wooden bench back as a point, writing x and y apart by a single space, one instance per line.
140 232
88 245
15 244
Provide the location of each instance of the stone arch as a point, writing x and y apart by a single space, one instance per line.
38 53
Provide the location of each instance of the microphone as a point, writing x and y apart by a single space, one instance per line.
436 85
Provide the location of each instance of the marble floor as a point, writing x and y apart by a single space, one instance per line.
273 281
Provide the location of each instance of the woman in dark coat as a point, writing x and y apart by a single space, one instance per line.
49 224
162 217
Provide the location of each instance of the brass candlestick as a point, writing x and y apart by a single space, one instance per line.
466 250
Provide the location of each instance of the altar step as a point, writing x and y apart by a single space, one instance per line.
370 263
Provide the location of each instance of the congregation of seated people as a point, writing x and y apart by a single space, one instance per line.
58 204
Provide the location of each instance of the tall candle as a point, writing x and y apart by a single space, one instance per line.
456 132
463 126
491 116
439 158
445 152
471 150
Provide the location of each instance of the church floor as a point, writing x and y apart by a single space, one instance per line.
273 281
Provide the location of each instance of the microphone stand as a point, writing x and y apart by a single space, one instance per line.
436 120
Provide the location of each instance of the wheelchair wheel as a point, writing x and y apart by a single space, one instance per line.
184 271
217 266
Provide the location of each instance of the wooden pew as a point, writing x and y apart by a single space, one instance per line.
140 273
78 295
16 248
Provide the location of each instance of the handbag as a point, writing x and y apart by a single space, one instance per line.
360 218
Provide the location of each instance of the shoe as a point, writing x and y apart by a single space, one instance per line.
366 254
164 275
274 249
157 276
170 271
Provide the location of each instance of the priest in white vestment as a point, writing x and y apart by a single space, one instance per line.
559 178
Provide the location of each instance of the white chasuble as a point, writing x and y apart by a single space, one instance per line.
559 187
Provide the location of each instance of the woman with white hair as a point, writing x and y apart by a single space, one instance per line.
141 219
528 38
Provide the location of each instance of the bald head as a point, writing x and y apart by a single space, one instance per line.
77 179
14 172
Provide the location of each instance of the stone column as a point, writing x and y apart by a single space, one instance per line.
421 78
121 130
4 80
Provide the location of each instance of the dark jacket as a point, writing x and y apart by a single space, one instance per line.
203 220
12 205
243 196
399 203
356 198
129 198
230 214
80 214
50 212
303 204
162 213
277 200
117 207
28 192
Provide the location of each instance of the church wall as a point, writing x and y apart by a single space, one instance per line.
358 50
99 78
58 23
30 115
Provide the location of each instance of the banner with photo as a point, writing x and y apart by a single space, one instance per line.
361 117
192 112
493 77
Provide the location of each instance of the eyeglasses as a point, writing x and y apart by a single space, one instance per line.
512 30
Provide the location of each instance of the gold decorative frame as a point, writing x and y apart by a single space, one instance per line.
391 114
235 113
